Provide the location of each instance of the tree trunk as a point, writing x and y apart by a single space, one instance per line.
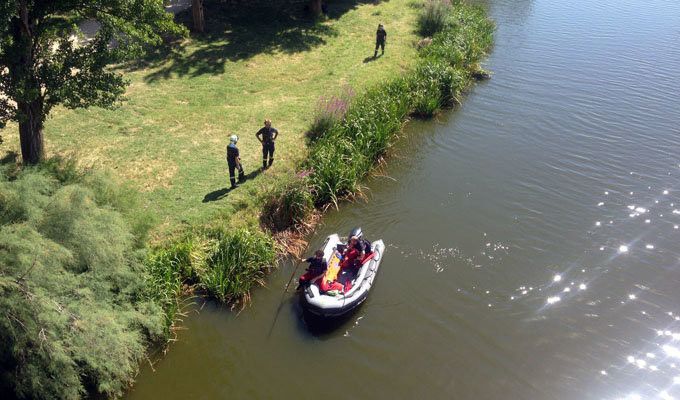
30 106
315 7
197 12
31 131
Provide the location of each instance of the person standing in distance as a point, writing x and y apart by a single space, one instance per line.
234 162
380 39
267 135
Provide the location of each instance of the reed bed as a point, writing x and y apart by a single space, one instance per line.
347 150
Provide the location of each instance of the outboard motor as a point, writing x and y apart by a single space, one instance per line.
356 232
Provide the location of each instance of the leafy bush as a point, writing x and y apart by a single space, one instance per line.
433 17
76 319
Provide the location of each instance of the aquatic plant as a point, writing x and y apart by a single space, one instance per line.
171 269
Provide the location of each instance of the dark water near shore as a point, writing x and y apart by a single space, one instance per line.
533 242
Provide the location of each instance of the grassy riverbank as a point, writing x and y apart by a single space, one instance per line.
168 139
167 143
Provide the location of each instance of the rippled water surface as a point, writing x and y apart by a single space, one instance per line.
533 237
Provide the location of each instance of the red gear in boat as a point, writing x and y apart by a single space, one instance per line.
317 266
326 286
350 258
308 276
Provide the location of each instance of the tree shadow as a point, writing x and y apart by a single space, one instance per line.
219 194
239 32
11 158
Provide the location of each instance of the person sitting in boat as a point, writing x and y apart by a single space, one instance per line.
317 266
355 252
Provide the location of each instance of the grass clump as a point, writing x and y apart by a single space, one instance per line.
288 206
75 318
223 263
171 270
347 151
433 16
329 112
237 262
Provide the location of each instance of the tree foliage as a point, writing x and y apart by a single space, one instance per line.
45 60
75 314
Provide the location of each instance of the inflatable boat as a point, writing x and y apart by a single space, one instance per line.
357 282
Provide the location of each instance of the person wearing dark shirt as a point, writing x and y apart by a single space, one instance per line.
317 266
267 135
234 162
380 39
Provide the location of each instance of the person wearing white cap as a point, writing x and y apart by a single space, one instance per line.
234 162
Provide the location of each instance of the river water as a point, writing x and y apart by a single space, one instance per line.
532 237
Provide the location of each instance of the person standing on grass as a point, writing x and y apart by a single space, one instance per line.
234 162
380 39
267 135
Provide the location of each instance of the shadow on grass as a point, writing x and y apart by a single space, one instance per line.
219 194
239 32
371 58
11 158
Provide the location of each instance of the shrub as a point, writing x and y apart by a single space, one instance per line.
72 288
433 16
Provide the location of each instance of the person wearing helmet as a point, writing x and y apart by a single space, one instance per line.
354 252
380 39
267 135
234 162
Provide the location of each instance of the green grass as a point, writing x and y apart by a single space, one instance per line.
168 139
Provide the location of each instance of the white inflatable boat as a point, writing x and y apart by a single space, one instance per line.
333 304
